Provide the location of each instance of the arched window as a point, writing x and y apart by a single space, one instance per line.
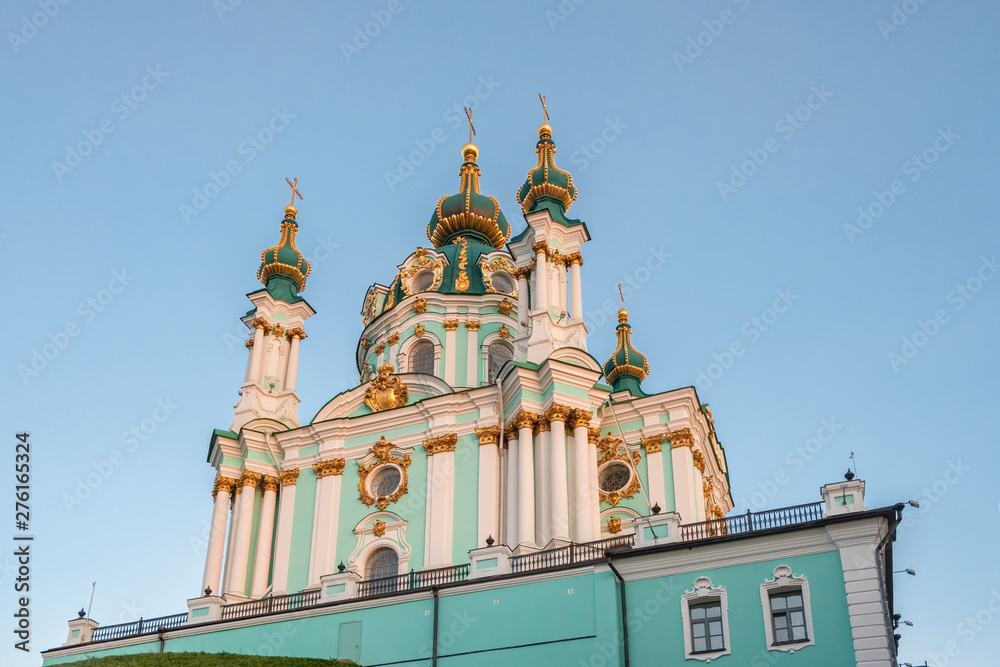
422 358
497 355
382 563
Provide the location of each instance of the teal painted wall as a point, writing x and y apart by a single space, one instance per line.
670 502
465 517
655 627
461 356
302 527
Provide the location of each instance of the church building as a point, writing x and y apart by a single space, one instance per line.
489 493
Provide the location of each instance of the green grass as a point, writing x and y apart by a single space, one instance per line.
206 660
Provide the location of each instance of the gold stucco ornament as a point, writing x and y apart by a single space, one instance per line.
386 390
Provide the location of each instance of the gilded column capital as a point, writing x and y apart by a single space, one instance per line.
542 425
505 306
523 419
489 435
680 438
249 344
278 331
249 478
578 417
558 413
443 443
540 246
593 435
652 444
261 323
420 305
450 325
472 325
292 334
289 477
329 467
393 339
270 483
223 484
573 258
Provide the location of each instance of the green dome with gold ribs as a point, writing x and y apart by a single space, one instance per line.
627 367
546 182
283 269
468 213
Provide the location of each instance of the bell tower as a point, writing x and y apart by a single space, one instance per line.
276 327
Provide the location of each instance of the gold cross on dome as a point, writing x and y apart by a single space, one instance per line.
472 129
295 190
545 110
621 295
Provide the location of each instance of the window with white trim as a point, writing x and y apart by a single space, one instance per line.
705 610
422 358
498 354
787 611
422 281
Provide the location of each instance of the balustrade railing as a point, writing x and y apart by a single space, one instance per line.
753 522
270 605
141 627
412 581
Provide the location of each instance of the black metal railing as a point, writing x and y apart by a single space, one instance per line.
753 521
141 627
270 605
572 554
412 581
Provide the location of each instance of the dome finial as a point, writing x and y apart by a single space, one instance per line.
470 151
544 128
622 314
290 210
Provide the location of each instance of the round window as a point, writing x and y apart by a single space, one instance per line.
385 481
614 477
423 281
502 282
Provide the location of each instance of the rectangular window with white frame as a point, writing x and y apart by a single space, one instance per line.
787 611
705 613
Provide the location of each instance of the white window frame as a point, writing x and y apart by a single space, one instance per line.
703 591
786 582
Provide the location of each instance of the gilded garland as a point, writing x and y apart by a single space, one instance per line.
386 390
383 456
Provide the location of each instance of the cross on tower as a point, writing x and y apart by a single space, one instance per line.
545 110
295 190
622 296
472 129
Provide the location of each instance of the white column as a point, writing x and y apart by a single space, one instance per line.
561 276
257 352
320 521
265 530
576 312
241 555
489 485
511 535
684 491
450 351
595 498
558 505
473 360
523 298
283 539
525 483
654 470
541 280
292 375
322 558
329 554
440 500
543 468
580 526
217 535
231 541
553 284
701 512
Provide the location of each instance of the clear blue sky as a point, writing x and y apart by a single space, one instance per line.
648 131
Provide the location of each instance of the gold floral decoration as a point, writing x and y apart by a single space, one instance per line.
450 325
277 330
444 443
699 461
614 525
380 348
504 331
378 528
365 343
505 307
383 456
579 418
386 390
329 467
420 305
393 339
680 438
419 330
422 263
489 268
462 281
652 444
